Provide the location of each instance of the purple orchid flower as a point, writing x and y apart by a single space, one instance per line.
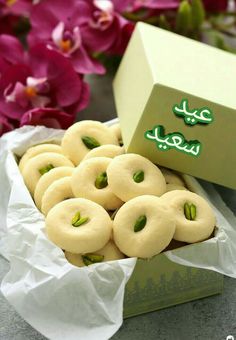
57 24
104 27
47 80
5 125
53 118
156 4
17 7
11 50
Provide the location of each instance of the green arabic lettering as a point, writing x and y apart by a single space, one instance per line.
195 116
174 140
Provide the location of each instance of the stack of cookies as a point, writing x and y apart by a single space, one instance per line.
102 204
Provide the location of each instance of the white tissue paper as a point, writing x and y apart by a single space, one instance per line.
62 301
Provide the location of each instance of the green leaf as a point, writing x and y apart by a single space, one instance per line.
220 43
140 223
184 18
198 14
90 142
163 23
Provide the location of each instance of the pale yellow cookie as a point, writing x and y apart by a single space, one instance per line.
89 180
41 164
131 175
171 177
109 252
108 150
84 136
195 219
36 150
115 128
47 179
143 227
171 187
78 226
58 191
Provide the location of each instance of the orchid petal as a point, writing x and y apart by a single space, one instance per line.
33 82
40 101
57 33
104 5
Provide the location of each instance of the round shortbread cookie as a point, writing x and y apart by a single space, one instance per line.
84 136
195 219
115 128
109 252
171 177
47 180
108 150
89 236
40 164
58 191
85 183
171 187
36 150
143 227
131 175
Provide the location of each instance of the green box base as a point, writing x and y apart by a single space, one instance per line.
159 283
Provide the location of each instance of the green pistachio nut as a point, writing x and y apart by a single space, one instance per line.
45 169
81 221
187 212
86 261
92 258
193 211
140 223
190 211
90 142
101 181
138 176
76 218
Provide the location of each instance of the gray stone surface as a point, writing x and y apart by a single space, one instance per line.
210 318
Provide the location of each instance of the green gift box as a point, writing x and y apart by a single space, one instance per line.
176 103
159 283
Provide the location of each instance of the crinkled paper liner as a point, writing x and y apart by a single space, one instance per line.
58 299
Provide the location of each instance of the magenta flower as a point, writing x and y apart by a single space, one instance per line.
57 24
5 125
53 118
16 7
156 4
103 26
47 80
11 50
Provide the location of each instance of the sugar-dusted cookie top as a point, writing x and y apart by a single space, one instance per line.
195 219
84 136
131 175
79 226
40 165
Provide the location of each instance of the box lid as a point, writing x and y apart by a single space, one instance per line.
179 91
